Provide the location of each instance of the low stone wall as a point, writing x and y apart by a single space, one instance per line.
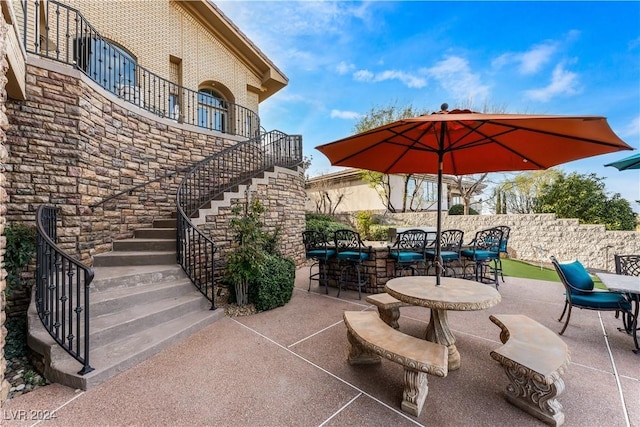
536 237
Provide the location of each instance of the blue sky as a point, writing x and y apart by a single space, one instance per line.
345 58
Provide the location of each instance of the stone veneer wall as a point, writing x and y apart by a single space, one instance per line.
72 144
4 66
535 237
283 198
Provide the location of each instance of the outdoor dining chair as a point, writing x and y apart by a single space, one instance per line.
450 245
350 252
628 265
579 292
484 248
408 251
497 263
316 249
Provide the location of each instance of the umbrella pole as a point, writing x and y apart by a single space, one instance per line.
438 257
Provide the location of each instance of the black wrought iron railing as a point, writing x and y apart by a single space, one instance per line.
62 290
59 32
212 177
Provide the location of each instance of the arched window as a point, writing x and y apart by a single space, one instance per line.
212 110
111 66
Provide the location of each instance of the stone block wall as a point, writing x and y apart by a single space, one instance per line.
535 237
73 145
4 124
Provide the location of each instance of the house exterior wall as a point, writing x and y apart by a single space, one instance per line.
155 30
4 124
360 196
72 144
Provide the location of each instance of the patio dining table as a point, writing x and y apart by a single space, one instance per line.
452 294
629 285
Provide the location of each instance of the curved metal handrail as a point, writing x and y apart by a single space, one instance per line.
62 290
212 177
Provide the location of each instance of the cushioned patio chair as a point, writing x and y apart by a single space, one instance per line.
450 245
316 249
408 251
484 249
579 292
350 252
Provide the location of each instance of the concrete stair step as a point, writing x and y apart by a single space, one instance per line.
165 223
125 276
128 351
131 258
142 244
155 233
118 299
134 320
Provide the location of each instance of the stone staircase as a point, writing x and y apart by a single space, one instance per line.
141 302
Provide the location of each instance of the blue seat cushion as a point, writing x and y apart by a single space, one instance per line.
353 255
577 275
601 300
321 253
407 256
479 254
446 255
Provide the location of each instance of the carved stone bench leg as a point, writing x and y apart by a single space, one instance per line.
415 391
390 316
535 398
358 354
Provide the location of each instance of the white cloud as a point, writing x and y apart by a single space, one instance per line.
348 115
454 75
409 80
530 61
563 82
632 129
344 68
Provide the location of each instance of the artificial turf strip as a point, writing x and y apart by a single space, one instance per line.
515 268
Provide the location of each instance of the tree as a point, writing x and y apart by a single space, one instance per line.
517 195
583 197
468 186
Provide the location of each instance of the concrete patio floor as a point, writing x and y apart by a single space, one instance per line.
287 367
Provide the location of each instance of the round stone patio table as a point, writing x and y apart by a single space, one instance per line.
452 294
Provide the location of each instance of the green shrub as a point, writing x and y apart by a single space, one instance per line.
328 227
21 248
379 232
364 220
274 285
459 210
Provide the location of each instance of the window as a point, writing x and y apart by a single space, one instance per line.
212 110
423 193
110 66
175 76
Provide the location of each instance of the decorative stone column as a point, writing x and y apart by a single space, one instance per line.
4 124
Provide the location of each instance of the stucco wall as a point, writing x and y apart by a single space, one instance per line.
72 144
535 237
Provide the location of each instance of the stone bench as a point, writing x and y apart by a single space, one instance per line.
371 339
533 357
388 308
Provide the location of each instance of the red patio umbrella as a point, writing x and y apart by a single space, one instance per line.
461 142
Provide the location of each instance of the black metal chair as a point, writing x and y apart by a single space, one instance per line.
350 252
497 263
579 292
315 247
450 245
484 249
628 265
408 250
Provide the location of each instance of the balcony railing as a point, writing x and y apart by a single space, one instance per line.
56 31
